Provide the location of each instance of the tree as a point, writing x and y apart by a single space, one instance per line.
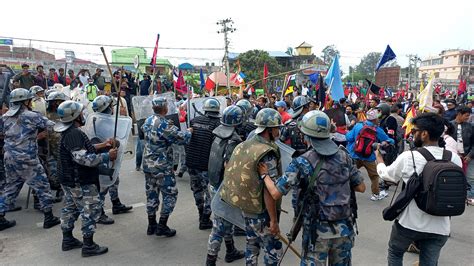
328 54
289 51
251 63
367 65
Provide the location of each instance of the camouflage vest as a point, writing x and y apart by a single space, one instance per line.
242 186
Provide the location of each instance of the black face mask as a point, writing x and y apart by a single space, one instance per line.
348 113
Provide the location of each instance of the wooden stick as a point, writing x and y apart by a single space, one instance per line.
284 240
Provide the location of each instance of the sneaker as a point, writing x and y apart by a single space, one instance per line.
376 197
470 201
383 194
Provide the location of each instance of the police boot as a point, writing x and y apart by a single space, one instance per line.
59 196
231 252
5 224
205 221
50 220
90 248
70 242
211 260
104 219
119 208
151 230
36 203
163 230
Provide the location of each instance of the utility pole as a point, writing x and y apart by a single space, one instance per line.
227 26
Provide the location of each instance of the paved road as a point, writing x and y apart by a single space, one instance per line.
28 243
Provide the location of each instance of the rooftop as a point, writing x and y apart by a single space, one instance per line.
304 45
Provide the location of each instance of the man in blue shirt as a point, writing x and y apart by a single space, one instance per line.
369 162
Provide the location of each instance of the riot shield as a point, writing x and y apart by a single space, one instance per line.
226 211
286 153
143 108
101 126
196 105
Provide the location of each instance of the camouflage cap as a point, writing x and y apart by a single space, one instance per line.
232 116
211 105
101 103
246 105
35 89
317 126
19 95
298 105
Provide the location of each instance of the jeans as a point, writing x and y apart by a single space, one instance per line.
139 153
429 244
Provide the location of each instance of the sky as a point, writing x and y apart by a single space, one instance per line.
356 28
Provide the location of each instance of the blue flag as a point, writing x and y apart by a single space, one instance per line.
314 77
203 83
333 80
388 55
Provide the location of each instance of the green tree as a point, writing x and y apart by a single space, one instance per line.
289 51
252 63
367 65
328 54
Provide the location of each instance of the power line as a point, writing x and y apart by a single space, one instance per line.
113 45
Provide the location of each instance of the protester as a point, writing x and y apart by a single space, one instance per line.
281 108
450 114
99 80
429 232
360 140
25 79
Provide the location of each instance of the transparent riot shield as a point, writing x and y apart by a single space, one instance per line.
196 104
101 127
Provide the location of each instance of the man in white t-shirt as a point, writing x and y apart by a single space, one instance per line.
429 232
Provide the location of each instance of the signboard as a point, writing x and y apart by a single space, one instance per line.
6 41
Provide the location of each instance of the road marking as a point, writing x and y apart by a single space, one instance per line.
108 211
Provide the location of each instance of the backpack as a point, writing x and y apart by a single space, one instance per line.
363 144
443 190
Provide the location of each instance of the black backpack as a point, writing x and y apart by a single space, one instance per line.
443 190
440 190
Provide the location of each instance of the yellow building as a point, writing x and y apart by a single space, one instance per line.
450 65
304 49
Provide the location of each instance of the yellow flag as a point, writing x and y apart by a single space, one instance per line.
407 125
289 90
426 96
421 89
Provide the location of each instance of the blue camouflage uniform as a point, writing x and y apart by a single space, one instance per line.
21 158
256 227
333 240
160 134
79 177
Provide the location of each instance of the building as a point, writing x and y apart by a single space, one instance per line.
304 49
128 57
450 65
388 77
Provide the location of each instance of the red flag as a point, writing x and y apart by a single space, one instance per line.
265 76
155 52
181 84
462 87
210 84
438 88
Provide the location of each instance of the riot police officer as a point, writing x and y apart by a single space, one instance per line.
197 158
226 139
103 104
247 125
79 177
244 188
160 134
20 126
291 134
328 176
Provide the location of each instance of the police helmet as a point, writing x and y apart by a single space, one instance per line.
69 110
101 103
35 89
232 116
211 105
57 96
317 126
299 104
20 95
159 102
246 105
267 117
